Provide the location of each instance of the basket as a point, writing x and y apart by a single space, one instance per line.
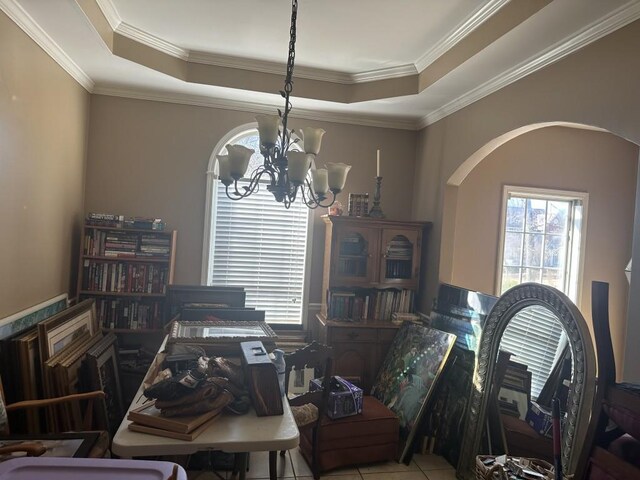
499 472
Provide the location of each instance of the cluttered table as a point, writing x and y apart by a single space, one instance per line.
227 432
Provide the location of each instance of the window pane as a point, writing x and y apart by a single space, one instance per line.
531 275
261 246
557 217
554 251
515 214
553 277
513 249
533 250
536 215
510 278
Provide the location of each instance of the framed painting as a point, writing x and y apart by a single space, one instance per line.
406 381
220 331
102 373
4 419
24 319
61 329
73 444
201 296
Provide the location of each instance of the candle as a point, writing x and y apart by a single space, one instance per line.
378 163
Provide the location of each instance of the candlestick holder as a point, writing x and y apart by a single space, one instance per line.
376 210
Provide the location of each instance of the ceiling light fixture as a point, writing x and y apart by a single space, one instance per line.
286 168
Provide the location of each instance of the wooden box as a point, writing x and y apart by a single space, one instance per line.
262 379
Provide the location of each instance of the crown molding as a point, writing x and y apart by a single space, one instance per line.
254 107
135 33
21 18
110 12
465 28
265 66
385 73
255 65
596 30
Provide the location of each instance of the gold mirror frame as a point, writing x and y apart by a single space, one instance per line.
581 395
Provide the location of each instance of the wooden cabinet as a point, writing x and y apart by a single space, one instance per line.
371 267
371 270
127 271
358 349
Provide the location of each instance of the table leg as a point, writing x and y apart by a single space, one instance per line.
273 465
243 459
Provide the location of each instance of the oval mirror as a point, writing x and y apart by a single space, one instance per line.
515 383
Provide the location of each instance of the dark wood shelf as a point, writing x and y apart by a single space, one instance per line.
125 229
140 273
121 294
128 259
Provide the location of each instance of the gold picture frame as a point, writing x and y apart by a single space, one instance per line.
220 332
61 329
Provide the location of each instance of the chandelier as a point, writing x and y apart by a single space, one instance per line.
286 168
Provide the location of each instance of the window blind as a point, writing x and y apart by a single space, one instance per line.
533 337
261 246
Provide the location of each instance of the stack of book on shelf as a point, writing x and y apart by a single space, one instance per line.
105 220
129 313
117 244
153 246
124 277
357 305
358 204
148 419
120 221
144 223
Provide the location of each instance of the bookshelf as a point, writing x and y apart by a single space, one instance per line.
371 267
371 270
126 271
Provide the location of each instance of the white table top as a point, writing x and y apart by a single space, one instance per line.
230 433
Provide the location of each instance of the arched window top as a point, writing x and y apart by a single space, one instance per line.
247 136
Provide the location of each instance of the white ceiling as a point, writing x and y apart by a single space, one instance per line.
352 40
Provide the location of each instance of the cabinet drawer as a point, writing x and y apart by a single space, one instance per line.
353 335
386 335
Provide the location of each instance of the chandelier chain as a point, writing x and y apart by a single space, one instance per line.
288 81
275 154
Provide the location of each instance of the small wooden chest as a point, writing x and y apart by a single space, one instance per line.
262 379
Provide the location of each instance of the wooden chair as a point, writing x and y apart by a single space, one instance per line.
94 418
602 456
318 357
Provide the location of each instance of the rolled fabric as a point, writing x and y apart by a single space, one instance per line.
206 405
208 390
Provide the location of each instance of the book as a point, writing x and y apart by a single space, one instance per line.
148 415
135 427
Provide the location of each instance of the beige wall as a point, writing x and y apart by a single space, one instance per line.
561 158
43 129
596 86
150 158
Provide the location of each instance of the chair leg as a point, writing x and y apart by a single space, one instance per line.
273 464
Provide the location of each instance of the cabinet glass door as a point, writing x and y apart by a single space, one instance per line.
399 257
352 264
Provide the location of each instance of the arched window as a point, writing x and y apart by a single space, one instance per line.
255 242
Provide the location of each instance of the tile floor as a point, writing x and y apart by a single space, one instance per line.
293 466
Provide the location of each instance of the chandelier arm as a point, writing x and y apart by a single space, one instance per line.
252 187
311 200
